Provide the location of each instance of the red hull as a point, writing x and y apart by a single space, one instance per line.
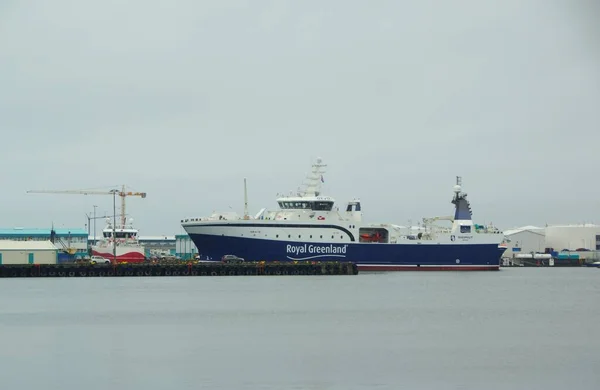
362 267
129 257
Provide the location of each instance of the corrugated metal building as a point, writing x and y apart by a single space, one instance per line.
69 241
157 245
28 252
184 247
525 239
573 237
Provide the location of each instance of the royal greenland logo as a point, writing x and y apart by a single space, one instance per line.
311 251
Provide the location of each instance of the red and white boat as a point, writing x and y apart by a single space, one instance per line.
128 247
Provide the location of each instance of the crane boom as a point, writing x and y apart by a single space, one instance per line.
123 194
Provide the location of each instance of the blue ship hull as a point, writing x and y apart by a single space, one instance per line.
367 256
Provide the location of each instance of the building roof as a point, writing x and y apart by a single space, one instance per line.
27 245
583 225
533 229
26 232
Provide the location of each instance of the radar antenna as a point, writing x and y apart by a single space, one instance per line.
462 206
312 184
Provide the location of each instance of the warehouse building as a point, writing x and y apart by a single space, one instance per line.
184 247
525 239
28 252
158 245
561 241
573 237
68 241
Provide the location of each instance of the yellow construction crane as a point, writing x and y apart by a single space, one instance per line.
123 194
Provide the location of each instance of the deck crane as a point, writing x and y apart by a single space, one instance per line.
429 221
123 194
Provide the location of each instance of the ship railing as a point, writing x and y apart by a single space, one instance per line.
201 219
488 231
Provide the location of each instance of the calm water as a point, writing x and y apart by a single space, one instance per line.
513 329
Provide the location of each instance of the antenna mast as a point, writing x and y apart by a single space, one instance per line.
312 185
245 200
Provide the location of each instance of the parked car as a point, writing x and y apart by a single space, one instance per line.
99 260
231 259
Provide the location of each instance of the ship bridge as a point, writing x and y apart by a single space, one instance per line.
316 203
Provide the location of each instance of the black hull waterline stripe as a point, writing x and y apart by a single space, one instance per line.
281 225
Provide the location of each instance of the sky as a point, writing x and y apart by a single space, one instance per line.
184 99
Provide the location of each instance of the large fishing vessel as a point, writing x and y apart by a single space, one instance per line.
307 226
128 248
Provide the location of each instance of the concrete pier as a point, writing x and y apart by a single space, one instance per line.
189 269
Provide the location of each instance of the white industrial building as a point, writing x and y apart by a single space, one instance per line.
525 239
27 252
184 247
573 237
583 239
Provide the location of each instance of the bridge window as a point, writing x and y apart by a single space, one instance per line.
295 205
353 207
303 205
322 206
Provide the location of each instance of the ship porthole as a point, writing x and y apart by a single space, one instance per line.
457 261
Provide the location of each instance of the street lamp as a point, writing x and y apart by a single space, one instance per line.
88 223
114 235
88 246
95 224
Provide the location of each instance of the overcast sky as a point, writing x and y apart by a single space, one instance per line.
183 99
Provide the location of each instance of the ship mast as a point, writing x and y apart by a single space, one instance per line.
312 185
245 200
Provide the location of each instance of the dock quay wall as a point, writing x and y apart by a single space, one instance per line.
197 269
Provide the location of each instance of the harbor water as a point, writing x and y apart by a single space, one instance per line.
513 329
